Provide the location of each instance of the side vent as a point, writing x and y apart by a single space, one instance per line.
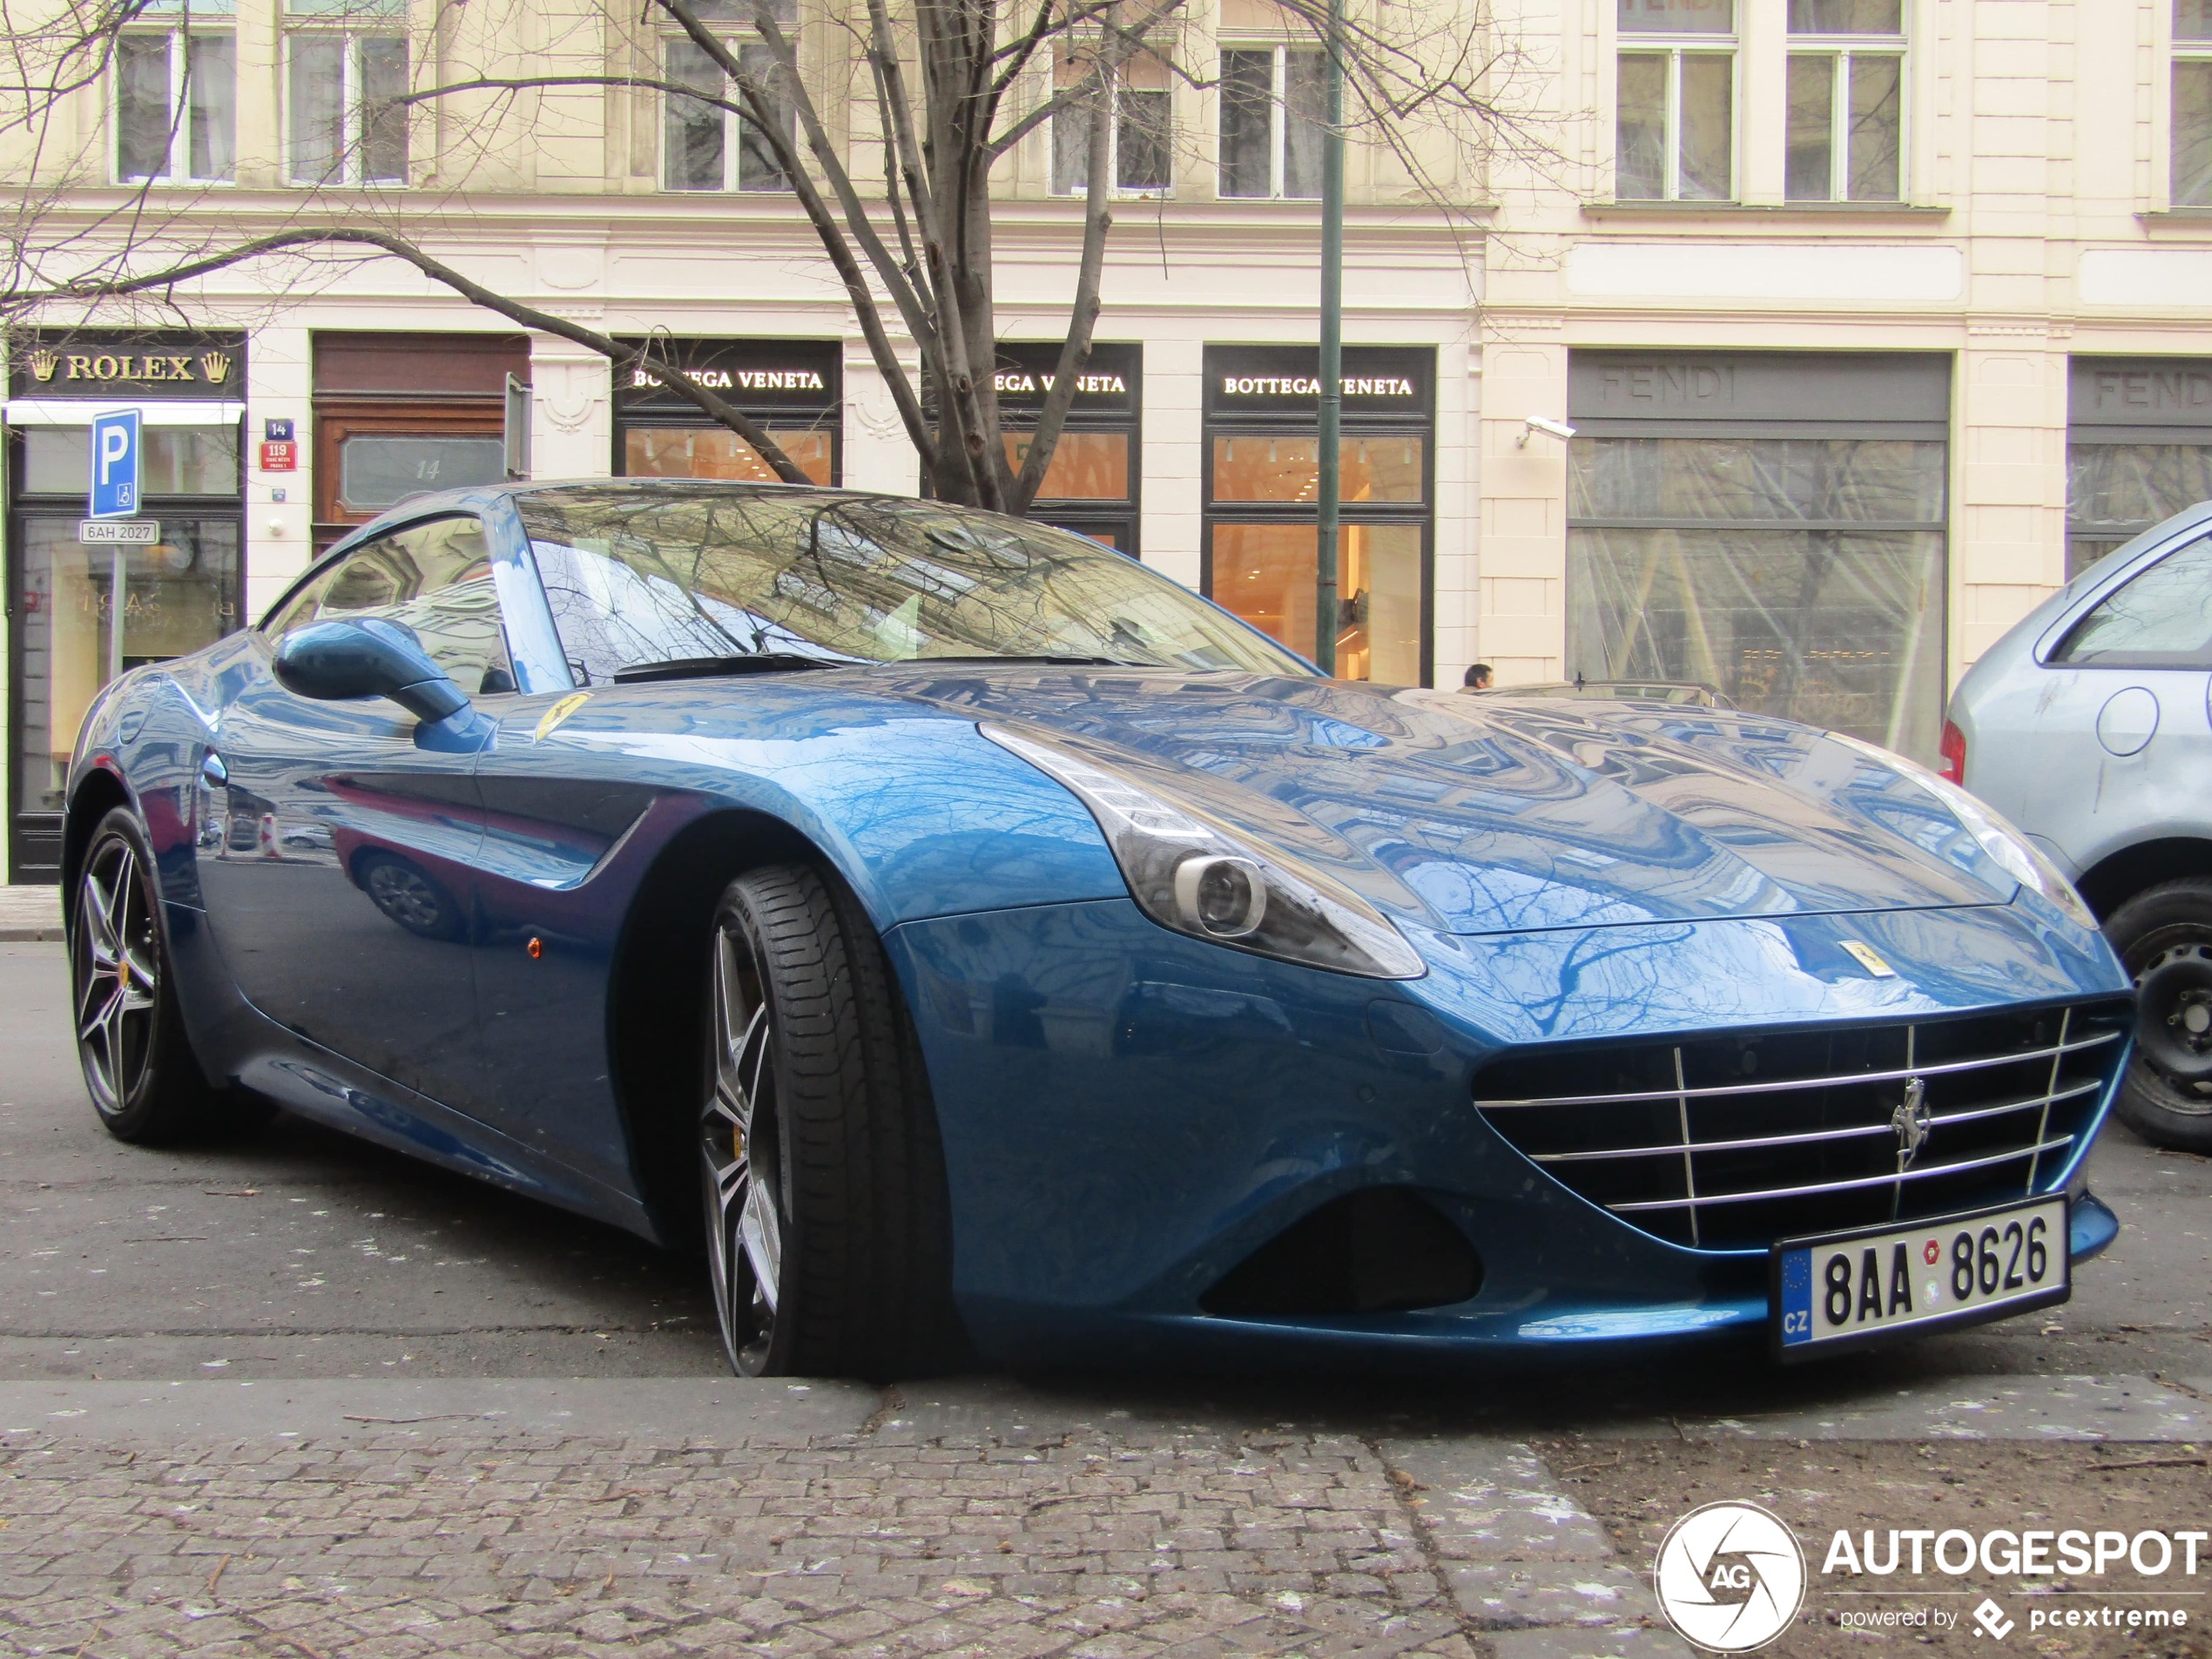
1383 1250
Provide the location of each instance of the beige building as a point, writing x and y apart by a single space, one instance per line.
1836 293
1875 319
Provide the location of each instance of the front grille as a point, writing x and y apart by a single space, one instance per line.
1731 1142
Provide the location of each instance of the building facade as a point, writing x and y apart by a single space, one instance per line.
1873 319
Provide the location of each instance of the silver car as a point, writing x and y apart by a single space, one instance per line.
2089 726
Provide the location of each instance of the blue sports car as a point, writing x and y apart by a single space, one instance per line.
977 944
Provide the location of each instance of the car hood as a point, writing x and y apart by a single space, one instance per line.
1497 814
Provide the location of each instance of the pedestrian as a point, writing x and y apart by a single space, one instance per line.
1477 679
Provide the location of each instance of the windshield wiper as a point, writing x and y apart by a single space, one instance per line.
1045 656
754 662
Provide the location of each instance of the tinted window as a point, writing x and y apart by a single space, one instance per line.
647 576
2162 618
435 580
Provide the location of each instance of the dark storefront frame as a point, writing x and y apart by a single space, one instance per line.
1272 391
1845 454
433 406
753 375
2138 448
1114 406
34 833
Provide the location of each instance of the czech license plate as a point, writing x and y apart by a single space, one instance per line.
1848 1289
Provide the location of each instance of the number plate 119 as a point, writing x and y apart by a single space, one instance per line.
1854 1288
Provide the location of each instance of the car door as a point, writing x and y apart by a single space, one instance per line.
2119 745
341 892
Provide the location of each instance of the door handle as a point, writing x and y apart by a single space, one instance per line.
212 771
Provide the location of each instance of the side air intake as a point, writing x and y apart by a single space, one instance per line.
1384 1249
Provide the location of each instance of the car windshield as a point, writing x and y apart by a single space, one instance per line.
642 576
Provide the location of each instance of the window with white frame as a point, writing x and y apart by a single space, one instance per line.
1674 128
710 146
1846 125
1273 113
2192 180
176 106
346 124
1139 153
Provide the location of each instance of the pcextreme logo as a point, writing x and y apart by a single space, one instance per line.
1729 1577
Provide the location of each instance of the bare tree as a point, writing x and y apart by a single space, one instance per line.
948 90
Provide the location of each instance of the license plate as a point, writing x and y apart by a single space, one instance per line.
1848 1289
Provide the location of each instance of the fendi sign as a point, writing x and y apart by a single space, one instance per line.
102 365
2139 392
1752 388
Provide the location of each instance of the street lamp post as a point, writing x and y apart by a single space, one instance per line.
1332 410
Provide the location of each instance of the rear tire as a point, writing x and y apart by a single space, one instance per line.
829 1240
2164 938
145 1083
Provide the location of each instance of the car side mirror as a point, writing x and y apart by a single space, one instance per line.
332 661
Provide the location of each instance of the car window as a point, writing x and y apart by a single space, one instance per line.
2162 618
635 577
435 581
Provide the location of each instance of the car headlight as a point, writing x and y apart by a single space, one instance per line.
2020 857
1193 875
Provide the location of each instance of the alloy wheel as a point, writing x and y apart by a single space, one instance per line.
739 1153
118 973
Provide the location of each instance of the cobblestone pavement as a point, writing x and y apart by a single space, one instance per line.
1169 1540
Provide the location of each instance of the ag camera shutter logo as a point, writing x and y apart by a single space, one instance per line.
1729 1577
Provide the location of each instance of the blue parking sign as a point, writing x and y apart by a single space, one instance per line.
115 464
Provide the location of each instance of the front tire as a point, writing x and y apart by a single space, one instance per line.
821 1174
138 1061
2164 938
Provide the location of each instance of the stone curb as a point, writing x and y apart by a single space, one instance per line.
31 936
1523 1560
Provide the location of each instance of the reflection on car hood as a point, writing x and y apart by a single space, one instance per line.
1481 815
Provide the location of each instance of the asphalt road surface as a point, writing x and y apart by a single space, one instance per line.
296 1395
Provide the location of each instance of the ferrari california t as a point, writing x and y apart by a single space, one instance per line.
975 943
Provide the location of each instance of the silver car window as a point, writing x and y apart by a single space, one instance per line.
2162 618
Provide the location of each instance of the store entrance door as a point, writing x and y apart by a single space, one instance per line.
84 615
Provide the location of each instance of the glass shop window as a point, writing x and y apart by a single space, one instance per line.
90 613
1801 576
1267 573
2114 491
1085 466
1287 467
717 452
173 459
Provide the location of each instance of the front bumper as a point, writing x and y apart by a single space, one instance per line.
1128 1114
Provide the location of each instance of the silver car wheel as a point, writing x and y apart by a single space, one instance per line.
739 1153
117 973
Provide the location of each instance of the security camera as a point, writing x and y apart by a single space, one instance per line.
1544 424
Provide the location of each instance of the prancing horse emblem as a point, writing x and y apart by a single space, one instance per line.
1912 1123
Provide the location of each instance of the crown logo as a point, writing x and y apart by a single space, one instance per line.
215 365
43 363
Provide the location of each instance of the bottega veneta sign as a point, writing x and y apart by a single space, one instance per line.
1018 381
1310 386
742 379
